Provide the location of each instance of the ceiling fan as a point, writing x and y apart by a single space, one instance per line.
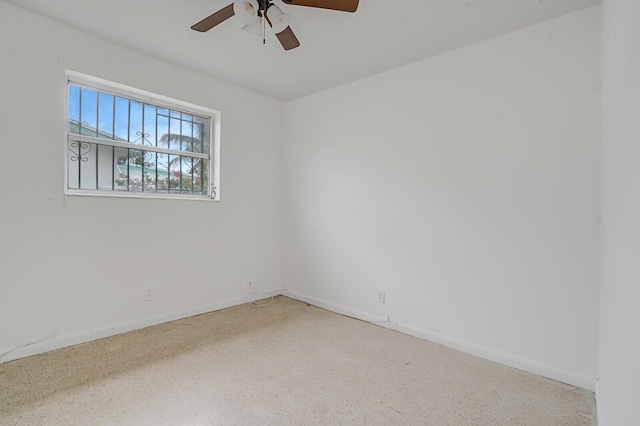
252 12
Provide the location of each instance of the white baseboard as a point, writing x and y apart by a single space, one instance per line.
339 309
504 358
56 342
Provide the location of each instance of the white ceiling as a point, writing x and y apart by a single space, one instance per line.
336 47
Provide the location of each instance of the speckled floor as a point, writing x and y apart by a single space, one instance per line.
288 363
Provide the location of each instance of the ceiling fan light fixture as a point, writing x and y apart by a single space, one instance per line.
252 12
246 11
279 20
254 28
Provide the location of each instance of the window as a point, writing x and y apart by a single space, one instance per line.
134 143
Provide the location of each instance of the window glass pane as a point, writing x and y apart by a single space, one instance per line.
204 174
187 136
201 131
151 172
74 109
163 173
162 160
105 167
120 169
136 166
187 181
73 173
149 125
175 176
135 123
122 119
173 136
82 159
163 129
88 112
88 165
105 115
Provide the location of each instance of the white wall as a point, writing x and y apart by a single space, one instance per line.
618 390
467 187
72 267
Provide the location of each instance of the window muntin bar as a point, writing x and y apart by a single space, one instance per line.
129 145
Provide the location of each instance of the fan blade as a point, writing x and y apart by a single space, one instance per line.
217 18
343 5
288 39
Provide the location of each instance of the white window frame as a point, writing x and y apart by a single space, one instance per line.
84 80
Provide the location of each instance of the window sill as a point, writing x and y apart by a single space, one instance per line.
139 195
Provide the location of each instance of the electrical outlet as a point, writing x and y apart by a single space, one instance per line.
147 294
381 296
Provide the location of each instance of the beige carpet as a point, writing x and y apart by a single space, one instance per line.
287 363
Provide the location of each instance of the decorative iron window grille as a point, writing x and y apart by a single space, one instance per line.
120 144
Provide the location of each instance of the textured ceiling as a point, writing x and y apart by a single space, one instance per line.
336 47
